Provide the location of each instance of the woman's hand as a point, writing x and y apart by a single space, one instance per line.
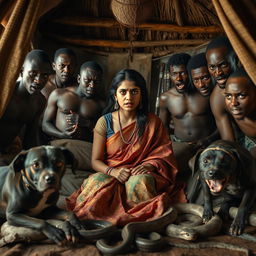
122 174
142 169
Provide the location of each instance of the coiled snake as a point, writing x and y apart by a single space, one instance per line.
143 234
129 231
188 233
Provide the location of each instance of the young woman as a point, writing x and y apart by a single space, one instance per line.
132 154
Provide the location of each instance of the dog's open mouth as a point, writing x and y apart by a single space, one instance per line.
216 186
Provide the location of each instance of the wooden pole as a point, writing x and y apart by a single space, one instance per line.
178 12
111 23
124 44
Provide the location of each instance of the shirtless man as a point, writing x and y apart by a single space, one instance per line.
240 100
64 66
188 108
222 61
71 113
193 126
70 117
27 103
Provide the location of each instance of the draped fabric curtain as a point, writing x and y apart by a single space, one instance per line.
19 19
238 19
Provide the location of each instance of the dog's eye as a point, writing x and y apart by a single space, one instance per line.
36 165
59 164
205 161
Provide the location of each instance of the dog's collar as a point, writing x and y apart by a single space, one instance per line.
220 149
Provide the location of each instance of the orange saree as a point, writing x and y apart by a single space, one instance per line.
103 197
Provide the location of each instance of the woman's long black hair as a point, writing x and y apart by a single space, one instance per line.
137 78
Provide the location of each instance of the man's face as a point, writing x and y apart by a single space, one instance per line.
89 81
34 75
218 65
64 67
240 97
202 80
179 77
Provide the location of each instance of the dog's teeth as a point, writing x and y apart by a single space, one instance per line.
215 186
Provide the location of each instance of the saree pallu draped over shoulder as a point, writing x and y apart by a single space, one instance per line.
104 197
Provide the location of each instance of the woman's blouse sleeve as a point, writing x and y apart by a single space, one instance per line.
101 126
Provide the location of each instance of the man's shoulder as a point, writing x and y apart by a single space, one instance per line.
169 94
217 101
217 95
63 91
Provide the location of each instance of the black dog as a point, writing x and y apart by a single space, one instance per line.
29 190
228 170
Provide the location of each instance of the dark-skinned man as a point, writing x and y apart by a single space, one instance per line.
70 117
64 65
221 61
26 104
71 112
188 106
240 100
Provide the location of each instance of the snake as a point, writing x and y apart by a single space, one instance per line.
129 231
211 228
96 229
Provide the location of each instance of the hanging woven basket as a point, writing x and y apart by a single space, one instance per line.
130 13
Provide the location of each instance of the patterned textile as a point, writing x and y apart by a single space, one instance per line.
246 142
143 197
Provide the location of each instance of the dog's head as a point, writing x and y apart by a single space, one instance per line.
42 167
218 164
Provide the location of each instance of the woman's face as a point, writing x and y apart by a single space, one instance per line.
128 95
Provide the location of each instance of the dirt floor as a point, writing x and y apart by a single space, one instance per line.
85 249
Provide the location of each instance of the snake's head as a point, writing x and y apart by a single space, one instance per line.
189 235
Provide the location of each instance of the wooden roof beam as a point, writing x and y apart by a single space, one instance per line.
124 44
111 23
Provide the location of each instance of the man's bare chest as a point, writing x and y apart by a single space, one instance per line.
90 109
193 105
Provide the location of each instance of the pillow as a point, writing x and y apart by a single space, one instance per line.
12 234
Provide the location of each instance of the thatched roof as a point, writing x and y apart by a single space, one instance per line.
173 26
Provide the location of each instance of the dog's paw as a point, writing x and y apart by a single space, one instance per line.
72 235
207 215
75 222
237 227
239 222
54 234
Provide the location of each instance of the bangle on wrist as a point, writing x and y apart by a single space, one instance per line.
108 170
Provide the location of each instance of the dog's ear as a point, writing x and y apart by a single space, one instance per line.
18 162
70 158
193 162
244 159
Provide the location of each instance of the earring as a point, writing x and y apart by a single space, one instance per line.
116 106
